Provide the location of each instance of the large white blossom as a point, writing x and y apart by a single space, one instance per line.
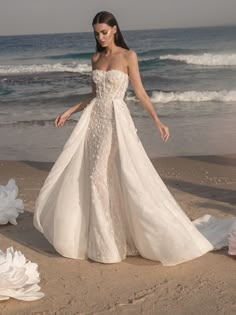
10 207
19 277
232 242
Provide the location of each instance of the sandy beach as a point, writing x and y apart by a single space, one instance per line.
136 286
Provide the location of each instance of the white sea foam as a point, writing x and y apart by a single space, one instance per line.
190 96
205 59
58 67
194 96
147 58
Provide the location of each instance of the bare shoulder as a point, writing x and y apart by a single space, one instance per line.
131 58
131 55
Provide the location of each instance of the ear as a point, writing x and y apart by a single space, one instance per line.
114 29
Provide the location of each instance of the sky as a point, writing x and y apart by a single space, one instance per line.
63 16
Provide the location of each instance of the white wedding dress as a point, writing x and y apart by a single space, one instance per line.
104 200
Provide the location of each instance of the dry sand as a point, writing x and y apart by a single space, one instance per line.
136 286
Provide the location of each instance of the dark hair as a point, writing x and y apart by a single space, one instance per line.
109 19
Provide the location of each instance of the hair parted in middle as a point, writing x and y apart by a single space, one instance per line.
109 19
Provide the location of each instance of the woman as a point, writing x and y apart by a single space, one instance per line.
103 199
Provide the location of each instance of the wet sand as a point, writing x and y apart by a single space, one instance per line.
136 286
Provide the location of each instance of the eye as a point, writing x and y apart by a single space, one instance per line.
104 32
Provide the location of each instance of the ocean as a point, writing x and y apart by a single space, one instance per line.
189 74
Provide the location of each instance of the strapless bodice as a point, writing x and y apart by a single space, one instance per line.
110 84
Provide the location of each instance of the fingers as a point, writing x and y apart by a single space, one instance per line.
165 134
59 121
166 137
164 131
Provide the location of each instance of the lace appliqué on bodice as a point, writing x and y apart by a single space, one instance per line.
110 84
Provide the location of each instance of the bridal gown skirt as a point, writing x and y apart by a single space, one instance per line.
104 200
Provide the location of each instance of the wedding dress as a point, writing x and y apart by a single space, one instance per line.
104 200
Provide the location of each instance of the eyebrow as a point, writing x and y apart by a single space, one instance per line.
100 31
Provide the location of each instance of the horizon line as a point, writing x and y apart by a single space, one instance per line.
125 30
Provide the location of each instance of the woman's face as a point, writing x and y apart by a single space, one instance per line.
104 33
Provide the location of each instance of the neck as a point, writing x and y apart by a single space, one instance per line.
111 49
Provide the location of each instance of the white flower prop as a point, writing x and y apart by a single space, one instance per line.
232 242
10 207
19 277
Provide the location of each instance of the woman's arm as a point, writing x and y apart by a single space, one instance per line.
80 106
141 94
61 118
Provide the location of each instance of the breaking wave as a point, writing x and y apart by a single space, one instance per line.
58 67
190 96
205 59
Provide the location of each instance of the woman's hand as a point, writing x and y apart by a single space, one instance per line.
164 131
61 118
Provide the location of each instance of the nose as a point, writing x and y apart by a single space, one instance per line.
100 37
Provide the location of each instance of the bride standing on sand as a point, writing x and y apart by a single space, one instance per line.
103 199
